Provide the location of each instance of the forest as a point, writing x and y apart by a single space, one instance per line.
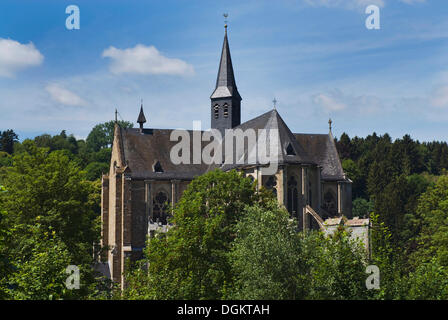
228 241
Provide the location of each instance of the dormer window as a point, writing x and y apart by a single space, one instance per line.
158 167
290 150
216 111
226 110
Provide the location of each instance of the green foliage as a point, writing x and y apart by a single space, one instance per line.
267 258
48 190
191 260
5 159
362 208
102 135
389 261
228 243
7 139
39 273
95 169
428 282
432 213
337 266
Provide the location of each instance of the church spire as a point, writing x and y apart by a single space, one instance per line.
225 99
141 117
225 82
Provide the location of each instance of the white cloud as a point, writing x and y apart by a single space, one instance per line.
64 96
145 60
15 56
329 103
348 4
354 4
440 97
412 1
336 101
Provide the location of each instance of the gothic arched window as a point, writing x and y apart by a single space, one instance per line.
271 184
216 111
330 203
160 204
292 196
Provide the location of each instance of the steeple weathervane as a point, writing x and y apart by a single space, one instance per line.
225 20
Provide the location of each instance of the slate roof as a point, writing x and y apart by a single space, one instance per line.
322 149
225 81
271 120
141 151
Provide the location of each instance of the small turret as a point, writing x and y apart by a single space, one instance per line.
141 118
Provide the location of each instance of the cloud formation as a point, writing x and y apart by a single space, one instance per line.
64 96
15 56
347 4
336 101
329 103
440 97
145 60
353 4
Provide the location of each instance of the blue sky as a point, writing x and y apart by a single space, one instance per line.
316 57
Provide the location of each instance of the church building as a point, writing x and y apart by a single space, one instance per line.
142 179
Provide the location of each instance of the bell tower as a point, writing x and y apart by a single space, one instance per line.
225 99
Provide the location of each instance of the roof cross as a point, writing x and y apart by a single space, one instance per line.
275 103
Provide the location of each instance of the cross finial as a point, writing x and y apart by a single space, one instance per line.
225 20
329 123
275 103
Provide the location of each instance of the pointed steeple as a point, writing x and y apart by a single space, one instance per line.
141 117
225 100
225 82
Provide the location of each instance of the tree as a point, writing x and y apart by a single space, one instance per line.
362 208
344 146
7 139
40 272
267 258
432 211
95 169
49 190
191 261
102 134
428 282
337 266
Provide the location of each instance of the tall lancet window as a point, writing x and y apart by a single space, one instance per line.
330 203
271 184
292 196
160 205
